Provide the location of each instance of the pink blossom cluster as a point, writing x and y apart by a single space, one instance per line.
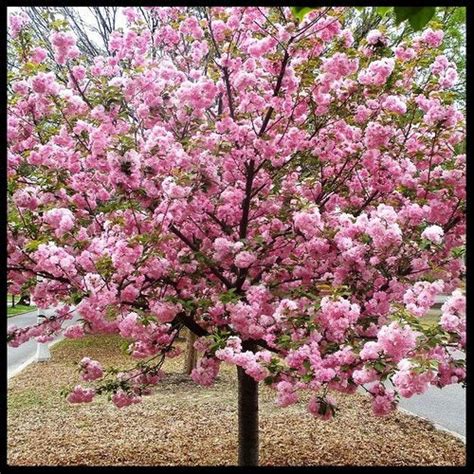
61 220
38 55
122 398
251 362
149 339
376 37
419 299
90 369
81 395
395 104
337 316
445 70
377 135
206 371
76 331
244 259
286 394
54 260
434 233
18 23
383 401
138 379
453 315
224 247
45 83
377 73
409 381
340 65
396 341
259 48
433 38
64 45
164 312
43 331
322 408
308 222
404 53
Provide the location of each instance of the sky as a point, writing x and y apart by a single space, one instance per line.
86 15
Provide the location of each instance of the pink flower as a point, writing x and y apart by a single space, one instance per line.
404 54
375 37
223 247
129 326
322 408
129 293
206 371
453 317
123 399
434 233
409 382
91 369
75 331
64 45
244 259
339 65
38 55
287 394
44 83
395 104
364 375
378 72
421 296
433 38
62 220
308 222
396 341
383 401
17 23
164 312
81 395
370 351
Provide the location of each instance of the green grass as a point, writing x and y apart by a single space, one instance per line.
431 318
19 309
29 398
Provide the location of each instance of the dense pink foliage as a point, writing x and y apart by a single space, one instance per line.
294 199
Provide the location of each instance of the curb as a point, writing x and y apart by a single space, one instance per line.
436 426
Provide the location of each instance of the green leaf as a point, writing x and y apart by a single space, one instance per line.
418 17
229 296
419 20
402 13
300 12
33 245
382 11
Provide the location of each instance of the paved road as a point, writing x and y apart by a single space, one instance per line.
16 356
445 407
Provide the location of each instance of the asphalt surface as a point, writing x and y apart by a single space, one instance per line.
445 407
16 356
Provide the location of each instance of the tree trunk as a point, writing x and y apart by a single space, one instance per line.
24 300
191 353
13 301
248 419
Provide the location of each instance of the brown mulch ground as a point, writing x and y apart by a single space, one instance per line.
185 424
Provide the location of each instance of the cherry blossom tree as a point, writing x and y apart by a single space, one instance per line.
294 200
